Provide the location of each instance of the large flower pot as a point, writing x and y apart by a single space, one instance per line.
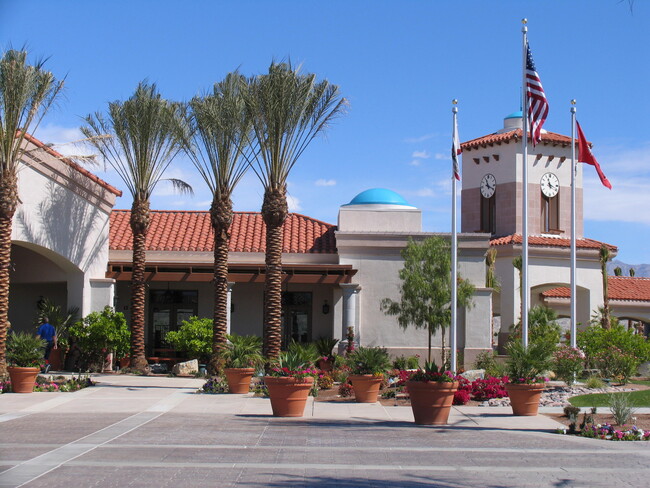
431 401
22 379
366 387
288 394
239 379
524 398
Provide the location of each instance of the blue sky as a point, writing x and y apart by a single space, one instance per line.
398 63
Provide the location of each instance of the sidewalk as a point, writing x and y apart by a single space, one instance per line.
132 394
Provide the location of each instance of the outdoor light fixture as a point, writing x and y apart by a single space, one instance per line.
326 308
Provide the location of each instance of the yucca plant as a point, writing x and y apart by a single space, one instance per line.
325 345
369 360
243 352
25 350
527 364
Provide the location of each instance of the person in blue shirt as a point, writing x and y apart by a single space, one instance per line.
47 332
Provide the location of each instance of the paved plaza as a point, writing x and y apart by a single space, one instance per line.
155 432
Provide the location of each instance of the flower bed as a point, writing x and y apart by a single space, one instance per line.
59 383
610 433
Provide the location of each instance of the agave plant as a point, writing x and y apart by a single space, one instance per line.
369 360
243 352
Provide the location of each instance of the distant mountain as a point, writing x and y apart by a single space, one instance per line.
640 270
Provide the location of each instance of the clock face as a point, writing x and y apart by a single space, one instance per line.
488 185
550 185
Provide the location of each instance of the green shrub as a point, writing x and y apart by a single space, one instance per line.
568 363
527 364
307 352
594 382
193 338
543 328
25 350
487 360
325 346
618 350
403 362
98 334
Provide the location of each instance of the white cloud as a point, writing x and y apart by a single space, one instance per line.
419 138
294 204
324 182
442 157
415 162
421 154
425 192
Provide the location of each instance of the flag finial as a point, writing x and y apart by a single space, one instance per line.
454 101
573 101
524 21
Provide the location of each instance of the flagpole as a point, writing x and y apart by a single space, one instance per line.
454 250
524 194
573 295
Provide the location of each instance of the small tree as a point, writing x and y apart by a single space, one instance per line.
426 289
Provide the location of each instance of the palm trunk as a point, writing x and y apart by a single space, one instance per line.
140 218
8 204
274 213
221 217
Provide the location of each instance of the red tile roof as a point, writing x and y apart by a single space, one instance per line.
550 242
514 135
173 230
72 164
619 288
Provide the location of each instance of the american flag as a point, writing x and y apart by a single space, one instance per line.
455 150
537 103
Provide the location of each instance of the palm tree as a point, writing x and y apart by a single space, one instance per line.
221 129
288 110
604 257
139 138
27 92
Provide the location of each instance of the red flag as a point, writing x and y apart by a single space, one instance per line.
585 156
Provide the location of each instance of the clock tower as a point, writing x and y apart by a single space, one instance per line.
492 184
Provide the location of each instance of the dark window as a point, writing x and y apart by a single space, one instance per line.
167 310
550 213
296 317
488 214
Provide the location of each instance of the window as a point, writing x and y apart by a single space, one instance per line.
550 213
167 309
296 317
488 214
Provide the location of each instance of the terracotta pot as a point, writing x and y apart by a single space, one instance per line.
431 401
288 394
366 387
325 365
524 398
239 379
57 357
22 379
125 362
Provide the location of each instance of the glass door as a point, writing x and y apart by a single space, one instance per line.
296 317
168 309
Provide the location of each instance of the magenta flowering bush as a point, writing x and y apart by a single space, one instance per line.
489 387
568 363
614 362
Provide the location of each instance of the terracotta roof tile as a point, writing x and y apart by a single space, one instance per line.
619 288
513 135
549 242
172 230
73 165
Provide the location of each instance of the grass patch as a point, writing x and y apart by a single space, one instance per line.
637 399
640 382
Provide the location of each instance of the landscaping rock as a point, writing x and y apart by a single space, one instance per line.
188 368
474 374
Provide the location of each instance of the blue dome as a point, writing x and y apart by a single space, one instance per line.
380 196
514 115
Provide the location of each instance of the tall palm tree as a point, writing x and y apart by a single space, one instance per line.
604 256
27 92
288 110
221 129
139 138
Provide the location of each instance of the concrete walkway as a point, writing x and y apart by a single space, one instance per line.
154 431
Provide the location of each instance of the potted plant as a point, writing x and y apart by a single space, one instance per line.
525 367
61 320
25 357
242 357
432 394
325 347
367 367
289 382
